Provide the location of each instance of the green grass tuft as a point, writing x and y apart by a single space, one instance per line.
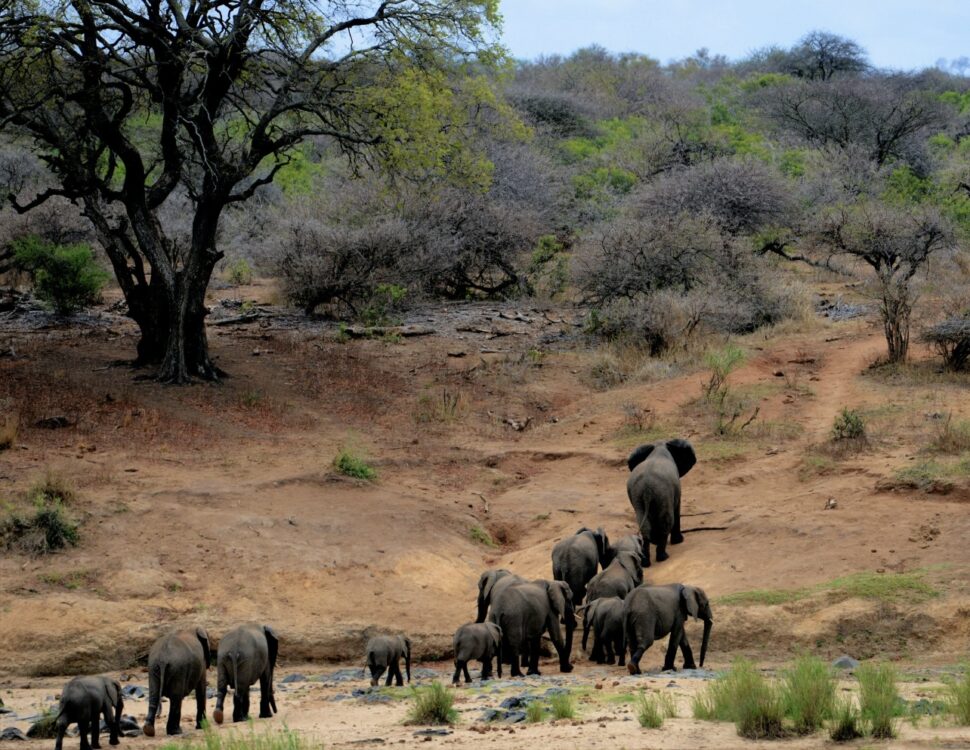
845 720
562 706
878 698
808 692
958 698
654 708
278 739
480 534
743 696
350 464
881 586
433 705
534 712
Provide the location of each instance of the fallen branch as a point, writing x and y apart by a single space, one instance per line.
705 528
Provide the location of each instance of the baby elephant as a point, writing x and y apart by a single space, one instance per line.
605 618
480 641
385 652
246 654
84 700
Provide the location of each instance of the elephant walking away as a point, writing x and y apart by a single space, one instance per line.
524 611
83 701
620 578
479 641
605 618
247 654
630 543
177 665
654 492
490 583
575 560
386 652
651 612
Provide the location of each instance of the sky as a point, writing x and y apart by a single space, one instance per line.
899 34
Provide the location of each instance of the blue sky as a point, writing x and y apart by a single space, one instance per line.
902 34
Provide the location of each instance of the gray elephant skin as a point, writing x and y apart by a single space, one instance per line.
651 612
247 654
177 665
621 576
384 652
83 701
629 543
524 611
654 492
478 641
605 618
490 583
575 560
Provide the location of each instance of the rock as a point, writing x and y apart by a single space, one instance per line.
598 686
129 724
831 504
293 678
133 691
514 717
433 732
845 662
45 728
340 697
424 674
492 714
210 693
779 374
518 701
555 691
11 733
53 423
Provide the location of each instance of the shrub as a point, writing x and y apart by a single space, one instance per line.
481 535
239 272
951 340
845 720
53 487
350 464
743 696
715 701
878 698
958 698
562 706
65 276
808 691
44 727
849 425
534 712
9 423
47 530
721 363
653 709
432 705
951 437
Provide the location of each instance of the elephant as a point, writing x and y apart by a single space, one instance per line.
575 560
177 665
524 611
481 641
651 612
629 543
385 652
620 578
654 492
604 617
247 654
83 701
490 583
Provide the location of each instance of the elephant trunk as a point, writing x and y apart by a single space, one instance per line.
482 609
707 637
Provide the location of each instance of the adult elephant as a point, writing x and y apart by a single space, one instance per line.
651 612
575 560
524 611
621 576
490 583
654 492
246 654
83 701
177 665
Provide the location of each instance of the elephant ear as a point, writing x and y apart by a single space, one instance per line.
204 640
602 546
557 599
273 643
496 632
631 564
693 600
486 582
113 690
639 456
683 454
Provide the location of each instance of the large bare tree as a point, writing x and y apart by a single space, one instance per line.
130 102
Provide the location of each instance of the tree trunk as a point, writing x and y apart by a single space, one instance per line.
896 311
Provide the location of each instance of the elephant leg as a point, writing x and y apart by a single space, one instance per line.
645 534
516 671
265 693
636 653
222 687
455 677
96 731
487 667
676 536
200 703
390 676
534 655
672 644
609 656
685 651
84 729
61 729
109 719
240 703
662 550
375 674
174 716
398 677
596 655
468 677
620 651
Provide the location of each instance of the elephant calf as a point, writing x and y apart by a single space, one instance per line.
177 664
605 618
621 576
629 543
386 652
651 612
247 654
83 701
480 641
575 560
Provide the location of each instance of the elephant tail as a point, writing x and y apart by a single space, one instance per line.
161 688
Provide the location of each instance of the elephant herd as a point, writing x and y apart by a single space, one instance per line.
591 576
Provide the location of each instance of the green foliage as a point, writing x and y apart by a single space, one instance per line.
903 186
959 100
743 696
808 692
45 726
603 180
384 302
348 463
534 712
887 587
480 534
793 162
432 705
211 739
652 709
301 175
611 134
65 276
958 698
845 720
239 272
549 267
878 698
562 706
47 530
849 425
721 363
